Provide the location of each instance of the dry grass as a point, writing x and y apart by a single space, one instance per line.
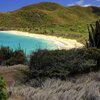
9 72
83 87
16 98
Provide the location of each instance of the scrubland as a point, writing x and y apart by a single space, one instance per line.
81 87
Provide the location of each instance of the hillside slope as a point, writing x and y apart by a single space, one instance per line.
51 18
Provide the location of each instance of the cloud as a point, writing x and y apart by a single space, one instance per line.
70 4
81 3
86 5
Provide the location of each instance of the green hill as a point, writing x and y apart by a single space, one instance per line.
51 18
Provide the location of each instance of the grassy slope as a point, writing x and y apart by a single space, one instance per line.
51 18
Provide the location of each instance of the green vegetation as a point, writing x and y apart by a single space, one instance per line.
94 35
10 57
72 62
3 90
51 19
63 63
46 64
54 19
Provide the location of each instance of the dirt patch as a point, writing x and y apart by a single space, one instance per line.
8 73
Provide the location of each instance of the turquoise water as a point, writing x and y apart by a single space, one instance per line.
28 44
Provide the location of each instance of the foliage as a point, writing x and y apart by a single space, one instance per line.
3 90
61 63
75 60
5 54
50 6
10 57
51 19
47 63
94 35
94 53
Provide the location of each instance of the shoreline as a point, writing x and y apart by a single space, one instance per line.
61 43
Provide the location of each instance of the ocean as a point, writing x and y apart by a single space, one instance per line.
28 44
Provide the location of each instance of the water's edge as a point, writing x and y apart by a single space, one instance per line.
28 44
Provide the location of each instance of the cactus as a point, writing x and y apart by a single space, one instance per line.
94 35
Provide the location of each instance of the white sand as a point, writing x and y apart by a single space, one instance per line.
62 43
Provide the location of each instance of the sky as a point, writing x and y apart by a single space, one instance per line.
10 5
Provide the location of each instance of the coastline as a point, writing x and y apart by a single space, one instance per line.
62 43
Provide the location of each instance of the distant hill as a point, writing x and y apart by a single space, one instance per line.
51 18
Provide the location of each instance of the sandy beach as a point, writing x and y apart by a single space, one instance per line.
62 43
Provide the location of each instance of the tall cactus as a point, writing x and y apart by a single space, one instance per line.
94 35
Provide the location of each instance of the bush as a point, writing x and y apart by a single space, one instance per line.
61 63
46 64
10 57
3 90
94 53
5 54
19 57
60 60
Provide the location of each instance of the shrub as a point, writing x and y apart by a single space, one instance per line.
61 63
60 60
49 63
45 64
10 57
94 53
19 57
5 54
3 90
